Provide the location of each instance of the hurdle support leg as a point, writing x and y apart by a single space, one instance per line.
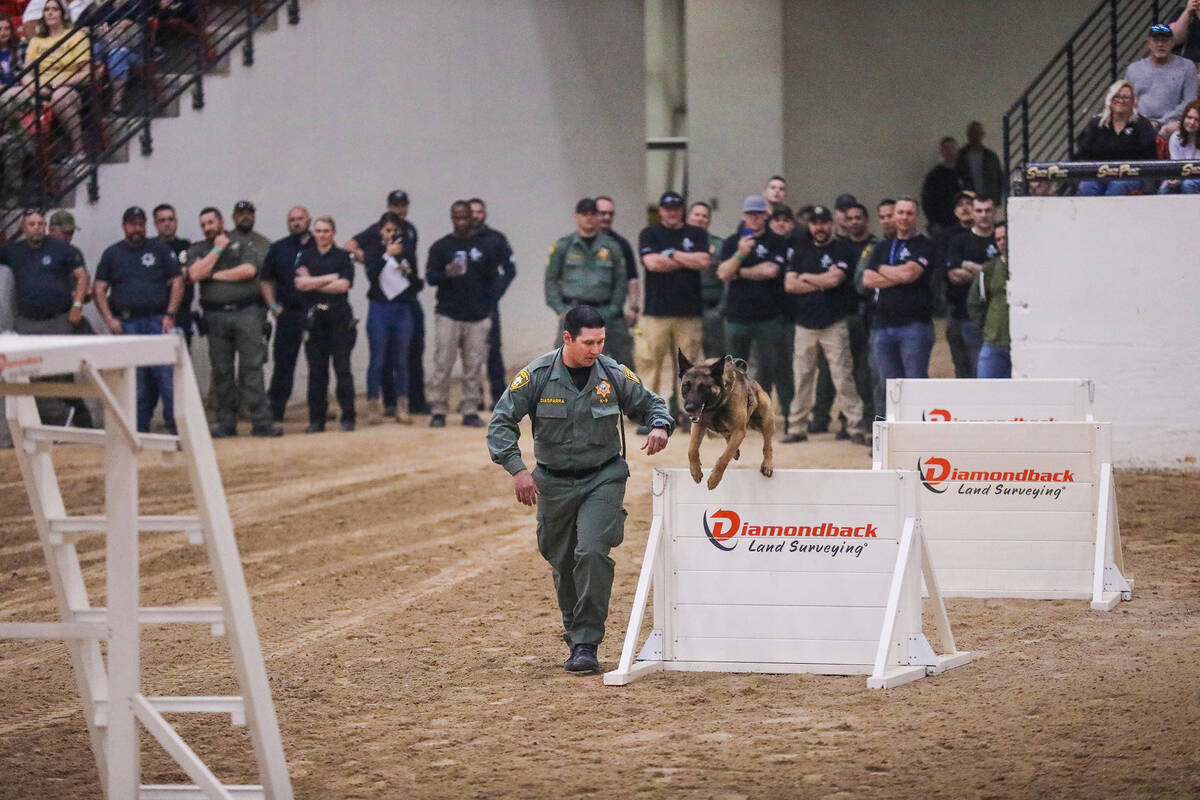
627 671
1109 584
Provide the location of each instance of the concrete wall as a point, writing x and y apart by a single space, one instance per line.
870 86
1118 307
527 104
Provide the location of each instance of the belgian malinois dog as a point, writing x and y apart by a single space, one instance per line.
720 398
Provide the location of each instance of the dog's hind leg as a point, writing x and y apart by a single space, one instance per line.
694 451
732 443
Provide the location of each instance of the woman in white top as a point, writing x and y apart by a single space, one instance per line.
1184 145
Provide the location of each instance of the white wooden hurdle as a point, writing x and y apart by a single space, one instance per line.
990 400
806 571
111 694
1016 509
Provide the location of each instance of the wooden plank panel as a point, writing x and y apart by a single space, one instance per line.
828 487
997 582
989 400
1017 526
778 622
999 437
797 554
1012 555
781 588
775 651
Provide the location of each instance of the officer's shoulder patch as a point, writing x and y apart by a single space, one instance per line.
519 381
629 375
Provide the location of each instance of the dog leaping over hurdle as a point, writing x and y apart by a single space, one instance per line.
719 397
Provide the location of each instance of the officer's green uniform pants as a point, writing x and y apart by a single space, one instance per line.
238 334
579 521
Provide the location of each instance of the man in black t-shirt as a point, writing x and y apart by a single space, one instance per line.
752 262
673 255
469 275
138 291
967 254
898 271
287 305
819 276
166 224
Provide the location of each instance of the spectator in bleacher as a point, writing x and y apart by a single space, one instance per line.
964 261
325 274
63 73
782 223
466 273
752 263
12 53
398 204
940 187
899 271
227 266
980 167
819 279
287 304
1186 30
988 305
244 215
840 205
620 339
585 268
712 288
32 14
859 239
390 317
802 215
1164 82
138 291
775 192
866 305
166 224
964 202
1184 145
1118 133
508 272
118 35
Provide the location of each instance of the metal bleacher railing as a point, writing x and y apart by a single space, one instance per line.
139 66
1044 123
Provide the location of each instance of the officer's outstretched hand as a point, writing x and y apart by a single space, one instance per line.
656 441
527 490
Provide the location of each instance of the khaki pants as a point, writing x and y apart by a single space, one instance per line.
451 337
835 342
654 350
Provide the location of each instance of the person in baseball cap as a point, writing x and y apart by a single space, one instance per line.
820 214
64 222
670 199
754 203
397 197
134 214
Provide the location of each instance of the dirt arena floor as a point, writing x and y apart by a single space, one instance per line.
412 642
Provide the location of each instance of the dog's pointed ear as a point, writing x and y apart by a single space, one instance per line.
718 369
684 364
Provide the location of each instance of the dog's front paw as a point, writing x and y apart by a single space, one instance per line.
697 473
766 469
714 479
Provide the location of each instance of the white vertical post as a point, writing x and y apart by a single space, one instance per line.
124 665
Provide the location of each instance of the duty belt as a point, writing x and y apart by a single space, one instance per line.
236 306
576 474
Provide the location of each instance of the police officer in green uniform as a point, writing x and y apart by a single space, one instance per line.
574 397
587 268
226 267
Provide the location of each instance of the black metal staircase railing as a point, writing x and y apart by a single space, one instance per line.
1044 123
73 109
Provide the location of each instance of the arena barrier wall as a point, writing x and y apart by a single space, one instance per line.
990 400
1015 509
806 571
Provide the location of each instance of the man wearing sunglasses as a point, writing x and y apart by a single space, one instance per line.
1165 82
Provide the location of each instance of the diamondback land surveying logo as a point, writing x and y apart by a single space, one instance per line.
945 415
725 528
938 473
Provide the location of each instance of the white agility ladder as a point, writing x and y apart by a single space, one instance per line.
806 571
112 700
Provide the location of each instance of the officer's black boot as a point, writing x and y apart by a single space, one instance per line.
583 659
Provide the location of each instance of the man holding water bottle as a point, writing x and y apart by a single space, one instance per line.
466 271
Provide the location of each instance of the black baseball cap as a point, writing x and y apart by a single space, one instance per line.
964 193
820 214
670 199
844 201
134 213
397 197
1159 29
586 206
244 205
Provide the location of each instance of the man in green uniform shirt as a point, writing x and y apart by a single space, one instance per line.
574 397
226 267
587 268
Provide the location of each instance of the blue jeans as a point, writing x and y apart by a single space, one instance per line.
994 362
1187 186
153 383
389 333
902 351
1107 188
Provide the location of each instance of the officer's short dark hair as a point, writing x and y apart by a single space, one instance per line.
581 317
162 207
392 217
887 201
212 210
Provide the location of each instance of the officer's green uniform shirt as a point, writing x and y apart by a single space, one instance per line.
242 249
594 274
575 429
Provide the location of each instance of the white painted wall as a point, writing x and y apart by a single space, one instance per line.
871 86
1108 289
527 104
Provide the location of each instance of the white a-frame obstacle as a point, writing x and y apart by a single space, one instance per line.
111 693
806 571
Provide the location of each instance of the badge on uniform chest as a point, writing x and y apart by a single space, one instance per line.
603 390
